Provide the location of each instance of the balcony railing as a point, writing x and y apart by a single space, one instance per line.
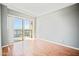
20 33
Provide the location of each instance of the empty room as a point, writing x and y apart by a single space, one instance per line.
39 29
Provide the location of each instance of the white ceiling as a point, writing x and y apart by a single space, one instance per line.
36 9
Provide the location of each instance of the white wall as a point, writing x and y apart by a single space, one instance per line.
4 36
60 26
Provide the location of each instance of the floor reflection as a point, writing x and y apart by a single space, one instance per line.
37 48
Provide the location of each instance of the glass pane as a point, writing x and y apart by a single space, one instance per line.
27 24
17 25
27 28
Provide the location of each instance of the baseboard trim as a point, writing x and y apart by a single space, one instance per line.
60 44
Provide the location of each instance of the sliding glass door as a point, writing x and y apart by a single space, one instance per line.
19 28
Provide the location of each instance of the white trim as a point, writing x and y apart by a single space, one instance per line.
60 44
5 46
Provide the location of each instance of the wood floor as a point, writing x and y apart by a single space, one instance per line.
38 48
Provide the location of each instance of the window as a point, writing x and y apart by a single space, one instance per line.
19 28
27 24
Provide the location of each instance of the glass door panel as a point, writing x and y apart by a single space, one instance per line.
27 28
17 28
